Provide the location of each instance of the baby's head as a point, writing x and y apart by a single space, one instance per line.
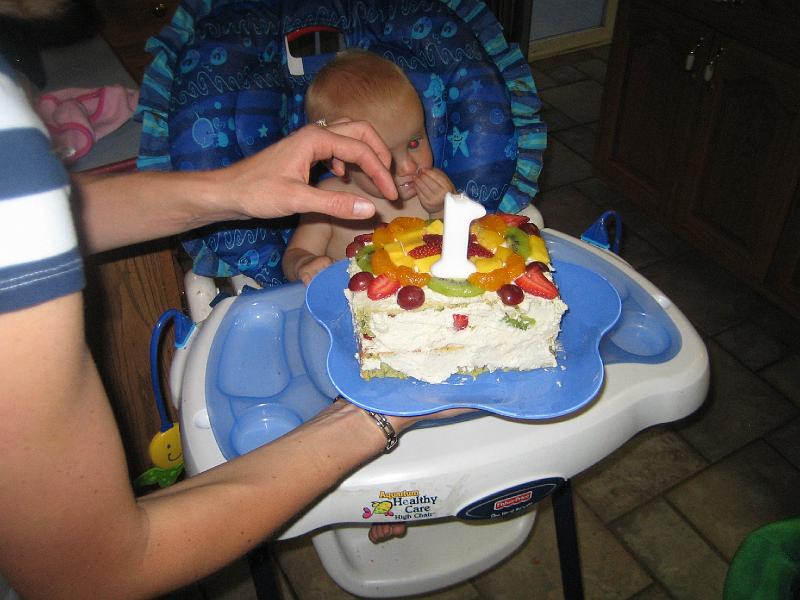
359 85
362 86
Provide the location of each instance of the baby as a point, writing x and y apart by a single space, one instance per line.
360 85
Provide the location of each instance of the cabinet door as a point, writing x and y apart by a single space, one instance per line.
784 272
126 293
127 290
648 94
127 24
743 165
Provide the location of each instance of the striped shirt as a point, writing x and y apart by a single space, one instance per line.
39 257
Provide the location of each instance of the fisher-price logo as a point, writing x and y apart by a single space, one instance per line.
513 500
402 505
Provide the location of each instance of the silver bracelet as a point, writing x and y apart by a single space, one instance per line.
388 430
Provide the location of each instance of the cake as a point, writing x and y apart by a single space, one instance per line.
504 316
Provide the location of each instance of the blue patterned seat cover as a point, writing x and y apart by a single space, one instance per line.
219 89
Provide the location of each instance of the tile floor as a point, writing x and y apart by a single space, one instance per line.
662 516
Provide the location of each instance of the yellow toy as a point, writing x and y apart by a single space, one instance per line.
165 448
167 455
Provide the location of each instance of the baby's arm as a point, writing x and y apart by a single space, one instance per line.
432 184
305 255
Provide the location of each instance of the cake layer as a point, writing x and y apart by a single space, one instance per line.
449 335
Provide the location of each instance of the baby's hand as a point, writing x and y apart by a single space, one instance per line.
432 184
308 269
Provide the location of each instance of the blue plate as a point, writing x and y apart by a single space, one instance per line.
594 307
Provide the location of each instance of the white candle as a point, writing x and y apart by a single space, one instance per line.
459 212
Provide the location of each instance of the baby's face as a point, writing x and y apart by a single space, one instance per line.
403 131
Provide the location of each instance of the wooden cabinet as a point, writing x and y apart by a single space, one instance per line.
743 161
127 24
128 290
784 272
702 129
126 293
645 103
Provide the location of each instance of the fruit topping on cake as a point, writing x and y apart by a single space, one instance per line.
508 252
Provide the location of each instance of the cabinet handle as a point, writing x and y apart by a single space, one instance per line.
708 72
160 9
689 63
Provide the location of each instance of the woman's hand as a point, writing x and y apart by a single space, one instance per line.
274 182
128 208
400 424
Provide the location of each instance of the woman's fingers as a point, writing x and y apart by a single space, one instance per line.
356 142
275 181
337 204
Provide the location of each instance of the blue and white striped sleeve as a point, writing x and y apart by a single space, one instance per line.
39 256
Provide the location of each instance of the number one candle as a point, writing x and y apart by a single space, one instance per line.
459 212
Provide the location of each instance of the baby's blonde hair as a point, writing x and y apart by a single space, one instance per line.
357 84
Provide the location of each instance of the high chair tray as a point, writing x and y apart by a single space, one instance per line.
594 307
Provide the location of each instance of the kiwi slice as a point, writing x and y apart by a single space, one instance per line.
454 287
518 241
364 256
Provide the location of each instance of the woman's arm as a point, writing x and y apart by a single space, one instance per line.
71 526
119 210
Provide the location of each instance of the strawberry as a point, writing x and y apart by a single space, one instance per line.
512 220
475 249
432 239
534 282
382 286
365 238
426 250
460 322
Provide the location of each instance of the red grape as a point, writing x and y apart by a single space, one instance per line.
360 281
410 297
510 294
537 265
353 247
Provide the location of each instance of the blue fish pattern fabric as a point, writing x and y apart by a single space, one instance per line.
220 88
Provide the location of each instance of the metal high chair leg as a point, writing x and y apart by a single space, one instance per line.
567 541
263 571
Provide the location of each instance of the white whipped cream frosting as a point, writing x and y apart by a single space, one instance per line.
423 343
